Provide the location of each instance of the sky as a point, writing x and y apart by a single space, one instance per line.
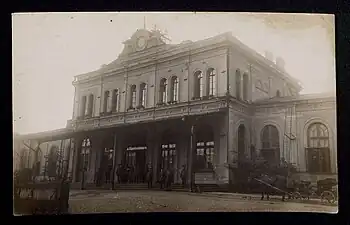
49 49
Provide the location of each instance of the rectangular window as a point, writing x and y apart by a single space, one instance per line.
133 101
143 100
83 106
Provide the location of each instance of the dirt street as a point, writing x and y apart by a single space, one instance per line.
158 201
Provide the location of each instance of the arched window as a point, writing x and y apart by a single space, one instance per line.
163 91
133 96
115 100
241 142
143 94
238 84
211 82
106 102
90 105
245 86
270 144
318 148
198 84
174 89
83 106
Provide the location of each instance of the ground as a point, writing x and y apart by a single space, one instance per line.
161 201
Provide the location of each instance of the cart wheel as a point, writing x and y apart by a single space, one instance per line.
297 195
328 196
313 194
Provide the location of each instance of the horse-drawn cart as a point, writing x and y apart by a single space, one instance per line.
303 190
327 189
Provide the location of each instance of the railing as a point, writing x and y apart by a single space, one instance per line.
41 198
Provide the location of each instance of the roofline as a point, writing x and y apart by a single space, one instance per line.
44 135
299 98
264 61
251 53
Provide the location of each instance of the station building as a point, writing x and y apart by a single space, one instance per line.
216 98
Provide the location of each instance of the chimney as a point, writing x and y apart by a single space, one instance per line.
269 55
280 63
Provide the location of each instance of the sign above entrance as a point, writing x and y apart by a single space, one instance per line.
136 148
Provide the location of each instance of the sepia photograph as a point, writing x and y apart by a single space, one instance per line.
124 112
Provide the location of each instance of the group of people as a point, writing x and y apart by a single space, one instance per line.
128 174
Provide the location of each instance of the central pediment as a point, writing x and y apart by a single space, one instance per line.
141 40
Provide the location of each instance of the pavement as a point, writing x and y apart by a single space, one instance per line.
107 201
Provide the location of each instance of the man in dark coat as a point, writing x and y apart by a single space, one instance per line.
119 173
183 175
162 178
149 177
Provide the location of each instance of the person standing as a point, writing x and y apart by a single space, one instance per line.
183 174
162 178
118 172
149 177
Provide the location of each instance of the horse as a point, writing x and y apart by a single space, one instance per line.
276 181
264 184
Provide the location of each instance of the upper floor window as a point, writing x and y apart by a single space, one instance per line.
211 82
90 105
198 84
143 94
318 151
115 100
278 93
238 84
163 90
133 96
106 102
83 106
245 86
174 89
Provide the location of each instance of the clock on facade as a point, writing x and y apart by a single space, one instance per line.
141 42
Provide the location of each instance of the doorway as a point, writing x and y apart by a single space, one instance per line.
135 164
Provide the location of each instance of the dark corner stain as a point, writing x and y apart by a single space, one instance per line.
111 21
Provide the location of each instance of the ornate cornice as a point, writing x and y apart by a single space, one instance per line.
151 114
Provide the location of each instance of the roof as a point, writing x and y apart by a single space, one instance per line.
64 132
185 45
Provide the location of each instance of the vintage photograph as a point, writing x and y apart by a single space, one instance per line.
174 112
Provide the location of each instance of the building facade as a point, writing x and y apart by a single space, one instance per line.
206 105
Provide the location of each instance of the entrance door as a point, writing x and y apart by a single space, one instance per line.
270 155
135 158
168 157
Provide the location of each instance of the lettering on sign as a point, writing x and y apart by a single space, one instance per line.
204 178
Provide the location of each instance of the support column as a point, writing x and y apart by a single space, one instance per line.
114 159
242 86
155 155
70 156
192 148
